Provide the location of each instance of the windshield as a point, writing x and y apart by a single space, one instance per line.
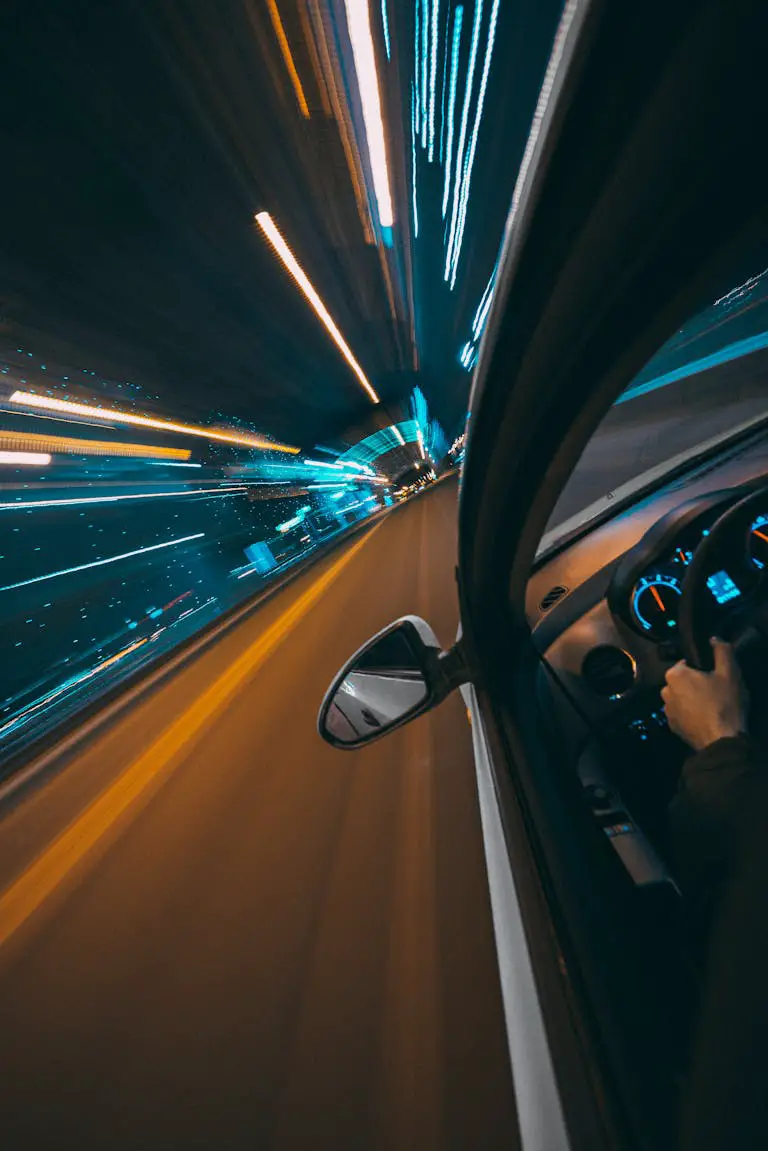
707 382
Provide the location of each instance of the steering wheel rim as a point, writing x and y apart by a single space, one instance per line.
696 600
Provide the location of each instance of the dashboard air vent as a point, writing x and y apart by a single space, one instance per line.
608 671
554 594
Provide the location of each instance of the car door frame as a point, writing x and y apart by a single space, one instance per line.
588 289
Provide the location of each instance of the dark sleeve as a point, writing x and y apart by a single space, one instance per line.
726 1100
704 826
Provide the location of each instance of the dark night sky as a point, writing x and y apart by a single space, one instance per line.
137 142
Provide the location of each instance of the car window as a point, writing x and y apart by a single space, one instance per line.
706 382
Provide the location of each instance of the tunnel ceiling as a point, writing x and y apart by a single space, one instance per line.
139 141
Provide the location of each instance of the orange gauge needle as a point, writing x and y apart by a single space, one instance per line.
682 555
657 597
760 535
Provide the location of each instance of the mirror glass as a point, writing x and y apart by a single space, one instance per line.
383 685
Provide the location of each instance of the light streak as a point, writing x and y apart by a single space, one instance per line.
413 162
423 71
443 87
290 64
417 57
53 445
322 464
398 434
294 523
463 133
101 563
171 464
80 501
112 416
318 487
457 21
27 458
359 25
481 315
271 231
420 441
473 140
433 75
385 26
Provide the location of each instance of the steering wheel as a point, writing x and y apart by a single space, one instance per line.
725 590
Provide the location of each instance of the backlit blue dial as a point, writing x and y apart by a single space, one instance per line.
655 603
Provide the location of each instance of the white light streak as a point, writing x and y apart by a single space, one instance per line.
271 231
398 435
463 133
80 501
101 563
467 177
112 416
433 75
457 20
359 25
27 458
423 71
414 131
385 27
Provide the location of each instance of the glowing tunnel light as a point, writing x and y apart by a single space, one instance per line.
112 416
398 434
271 231
26 458
290 64
467 175
457 20
359 25
423 71
463 135
101 563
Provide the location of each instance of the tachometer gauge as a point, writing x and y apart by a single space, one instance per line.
758 542
655 604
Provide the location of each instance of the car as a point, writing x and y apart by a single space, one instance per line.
613 512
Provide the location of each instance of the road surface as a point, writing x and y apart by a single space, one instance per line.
218 932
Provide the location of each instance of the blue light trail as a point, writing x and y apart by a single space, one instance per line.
101 563
457 20
385 27
413 163
443 88
473 140
463 135
433 76
424 53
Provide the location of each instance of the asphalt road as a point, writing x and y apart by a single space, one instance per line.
219 932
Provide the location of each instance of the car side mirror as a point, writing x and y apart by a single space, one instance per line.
399 674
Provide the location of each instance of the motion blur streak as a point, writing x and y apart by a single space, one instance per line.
69 446
79 500
359 25
113 416
27 458
467 175
101 563
47 872
271 231
457 20
433 75
385 28
398 435
285 48
447 274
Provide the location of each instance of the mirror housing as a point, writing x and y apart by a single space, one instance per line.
397 675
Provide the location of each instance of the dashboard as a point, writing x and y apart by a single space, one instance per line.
605 618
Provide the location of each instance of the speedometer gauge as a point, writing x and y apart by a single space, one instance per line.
758 541
655 604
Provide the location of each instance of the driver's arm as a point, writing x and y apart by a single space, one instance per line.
708 710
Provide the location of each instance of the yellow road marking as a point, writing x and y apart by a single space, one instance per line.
41 878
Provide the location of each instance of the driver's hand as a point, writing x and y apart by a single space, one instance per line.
702 706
